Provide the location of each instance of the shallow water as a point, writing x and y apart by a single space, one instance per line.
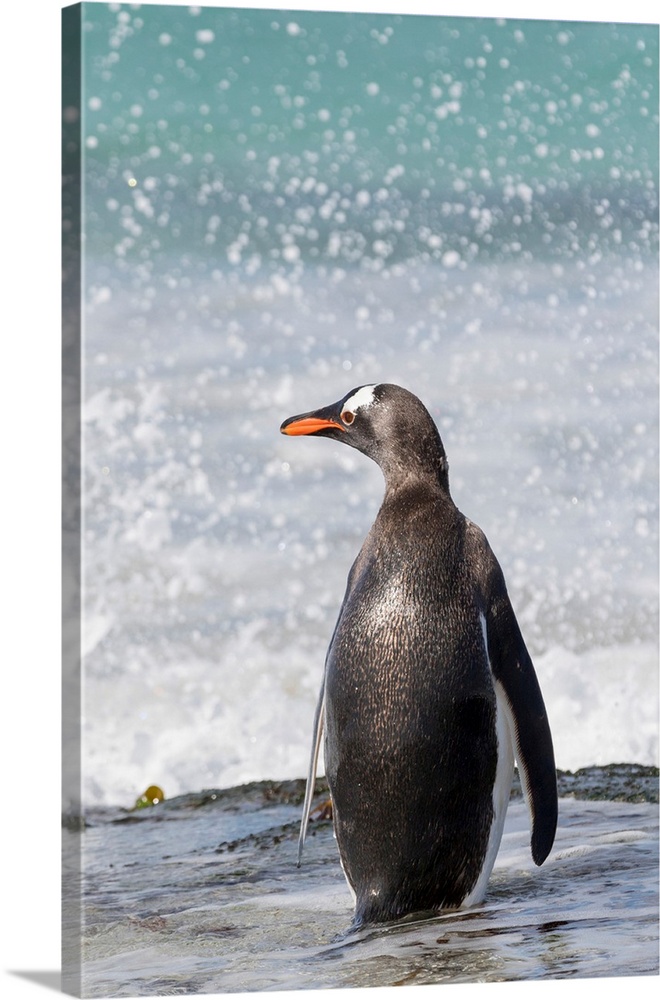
202 894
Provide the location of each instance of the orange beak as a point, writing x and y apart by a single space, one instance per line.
310 425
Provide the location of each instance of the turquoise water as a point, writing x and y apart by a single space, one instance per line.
263 139
279 207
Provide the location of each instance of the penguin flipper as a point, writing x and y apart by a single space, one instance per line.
528 721
311 774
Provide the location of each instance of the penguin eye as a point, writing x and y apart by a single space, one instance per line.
348 417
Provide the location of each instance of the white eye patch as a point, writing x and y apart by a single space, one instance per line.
363 397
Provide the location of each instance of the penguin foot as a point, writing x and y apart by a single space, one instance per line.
322 811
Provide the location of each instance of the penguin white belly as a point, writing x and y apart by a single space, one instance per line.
348 881
503 781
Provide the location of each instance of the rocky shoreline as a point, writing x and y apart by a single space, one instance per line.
611 782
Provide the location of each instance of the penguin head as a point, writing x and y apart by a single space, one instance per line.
388 424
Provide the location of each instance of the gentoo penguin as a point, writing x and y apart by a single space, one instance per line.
428 691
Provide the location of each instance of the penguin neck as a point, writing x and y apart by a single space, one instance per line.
427 468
